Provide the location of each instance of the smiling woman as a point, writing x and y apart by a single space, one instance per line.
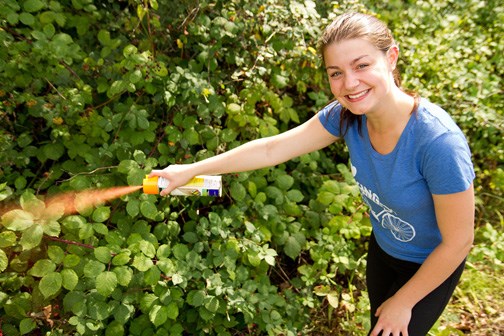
417 164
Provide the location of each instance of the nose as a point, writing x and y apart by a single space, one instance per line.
351 81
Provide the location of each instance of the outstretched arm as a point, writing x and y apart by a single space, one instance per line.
260 153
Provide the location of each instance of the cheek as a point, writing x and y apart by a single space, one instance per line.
335 87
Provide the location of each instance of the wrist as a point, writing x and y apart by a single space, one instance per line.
406 299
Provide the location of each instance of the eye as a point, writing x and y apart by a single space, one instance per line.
335 74
362 66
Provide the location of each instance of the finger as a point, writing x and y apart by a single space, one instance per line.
154 173
376 331
165 191
377 313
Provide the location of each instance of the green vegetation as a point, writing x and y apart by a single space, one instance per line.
95 94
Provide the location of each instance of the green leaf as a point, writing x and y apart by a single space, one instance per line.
93 268
172 310
325 197
238 191
124 275
129 50
7 239
31 237
295 195
158 315
51 228
103 254
106 282
284 182
133 207
147 301
104 37
71 260
56 254
196 297
154 4
148 210
33 5
101 214
292 247
53 151
114 328
135 76
17 220
152 276
4 261
26 325
142 263
50 284
177 279
121 258
212 304
147 248
180 251
117 87
42 267
69 278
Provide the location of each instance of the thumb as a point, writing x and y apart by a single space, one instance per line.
154 173
378 311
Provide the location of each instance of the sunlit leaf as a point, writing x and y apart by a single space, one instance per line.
17 220
106 282
50 284
31 237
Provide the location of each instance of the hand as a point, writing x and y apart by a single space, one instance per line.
177 175
393 319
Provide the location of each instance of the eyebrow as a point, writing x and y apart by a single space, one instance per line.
351 63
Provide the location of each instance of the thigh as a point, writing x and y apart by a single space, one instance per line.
428 310
381 277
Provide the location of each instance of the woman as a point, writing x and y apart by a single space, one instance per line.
410 160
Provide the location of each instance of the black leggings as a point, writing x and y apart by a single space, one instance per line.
385 275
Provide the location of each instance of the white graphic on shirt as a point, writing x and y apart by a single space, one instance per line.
401 230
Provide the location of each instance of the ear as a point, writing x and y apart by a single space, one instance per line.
393 56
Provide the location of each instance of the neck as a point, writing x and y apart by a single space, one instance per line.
394 115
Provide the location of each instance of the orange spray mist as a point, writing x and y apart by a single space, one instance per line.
72 202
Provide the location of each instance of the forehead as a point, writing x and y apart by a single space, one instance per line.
344 52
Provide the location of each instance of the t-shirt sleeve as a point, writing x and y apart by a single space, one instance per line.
448 167
329 116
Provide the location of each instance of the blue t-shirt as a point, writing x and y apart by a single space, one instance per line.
431 157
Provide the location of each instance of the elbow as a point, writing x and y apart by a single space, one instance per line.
460 245
469 243
465 244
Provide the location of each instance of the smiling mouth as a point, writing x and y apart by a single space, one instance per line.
358 95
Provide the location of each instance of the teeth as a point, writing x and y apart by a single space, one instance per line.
357 95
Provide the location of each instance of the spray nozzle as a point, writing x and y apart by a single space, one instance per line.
150 185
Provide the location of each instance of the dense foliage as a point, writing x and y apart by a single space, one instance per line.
95 94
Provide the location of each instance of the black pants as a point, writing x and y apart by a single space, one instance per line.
385 275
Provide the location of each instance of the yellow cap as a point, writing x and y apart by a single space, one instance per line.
150 185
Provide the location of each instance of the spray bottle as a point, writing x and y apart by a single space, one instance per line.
202 185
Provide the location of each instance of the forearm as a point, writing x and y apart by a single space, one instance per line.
253 155
440 264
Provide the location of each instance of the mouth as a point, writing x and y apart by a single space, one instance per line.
357 96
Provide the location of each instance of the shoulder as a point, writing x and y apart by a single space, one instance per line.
329 116
433 125
434 120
